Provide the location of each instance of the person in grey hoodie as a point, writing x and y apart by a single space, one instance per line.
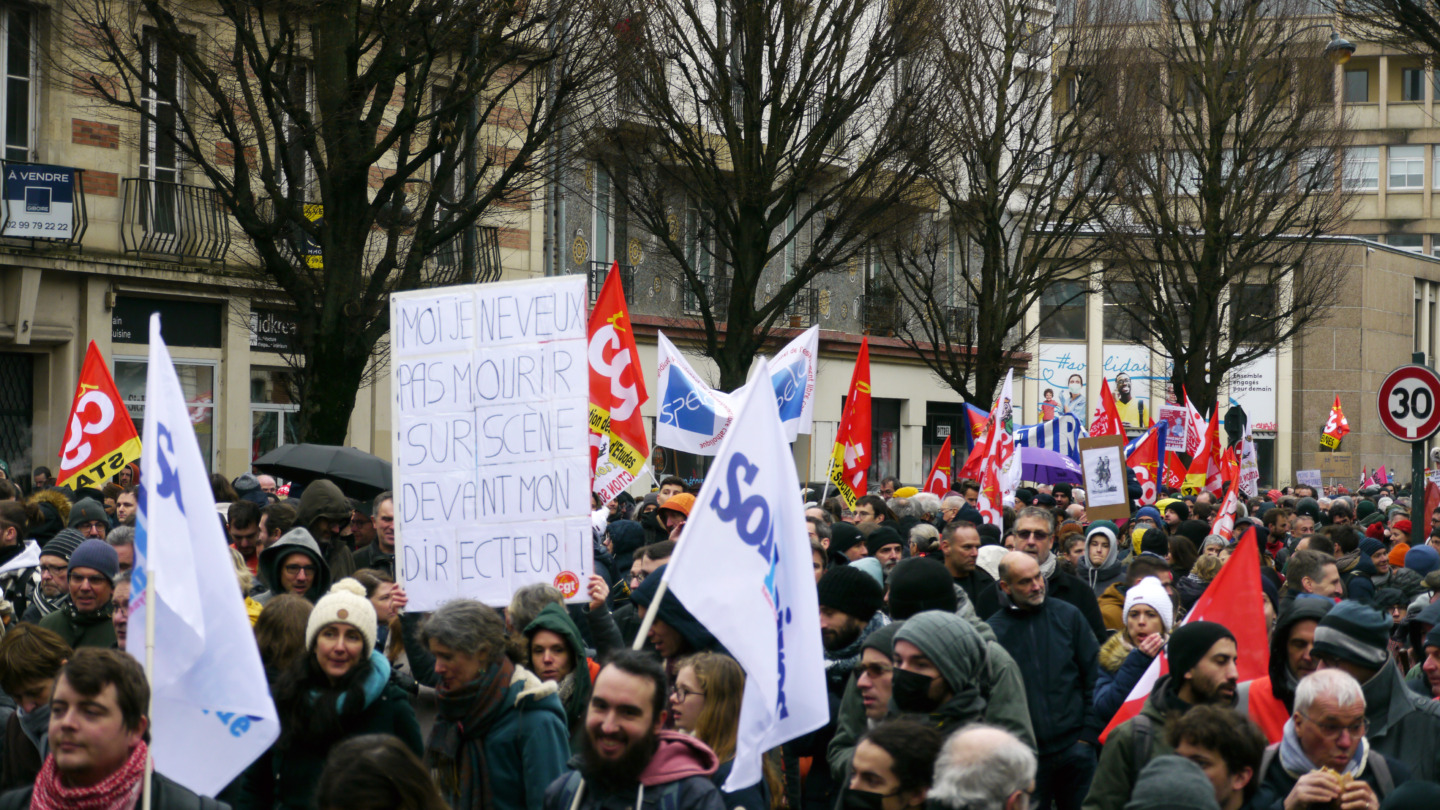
1101 564
294 565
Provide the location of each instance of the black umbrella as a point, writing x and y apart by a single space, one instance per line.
357 473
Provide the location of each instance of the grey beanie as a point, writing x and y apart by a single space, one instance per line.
949 641
97 555
86 510
63 544
1172 783
246 482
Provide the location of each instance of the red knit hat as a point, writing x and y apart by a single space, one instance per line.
1403 526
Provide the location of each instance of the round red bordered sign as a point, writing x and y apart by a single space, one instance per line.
1409 403
567 583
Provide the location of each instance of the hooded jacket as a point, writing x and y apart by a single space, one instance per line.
673 613
1109 572
678 776
1401 724
323 499
1057 656
1115 775
576 696
55 510
958 652
1281 685
626 537
297 539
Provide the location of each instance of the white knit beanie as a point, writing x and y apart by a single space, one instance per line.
1151 593
344 604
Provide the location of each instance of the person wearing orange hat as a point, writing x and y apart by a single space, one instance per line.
1400 536
675 512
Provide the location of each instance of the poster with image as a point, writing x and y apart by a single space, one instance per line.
1127 372
1062 381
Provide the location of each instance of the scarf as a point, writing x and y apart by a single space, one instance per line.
1293 759
45 604
456 749
87 619
840 663
1047 568
118 791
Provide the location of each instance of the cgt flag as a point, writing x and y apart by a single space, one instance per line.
100 439
743 569
938 482
850 460
618 447
1106 420
1144 457
1335 427
210 709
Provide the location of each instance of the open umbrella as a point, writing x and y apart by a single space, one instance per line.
357 473
1048 467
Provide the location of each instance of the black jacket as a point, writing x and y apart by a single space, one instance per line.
1059 585
1057 655
975 584
164 795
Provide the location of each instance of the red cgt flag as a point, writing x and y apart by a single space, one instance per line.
1233 600
1335 427
618 447
1145 461
938 482
850 460
100 439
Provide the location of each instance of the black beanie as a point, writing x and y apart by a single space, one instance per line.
884 638
919 584
881 537
844 536
1155 541
1189 643
989 534
1063 489
851 591
1180 508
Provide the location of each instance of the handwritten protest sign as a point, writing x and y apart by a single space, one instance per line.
491 454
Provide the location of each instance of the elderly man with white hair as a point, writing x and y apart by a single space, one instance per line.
1324 759
983 768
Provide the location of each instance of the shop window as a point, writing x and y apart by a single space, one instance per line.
272 410
197 381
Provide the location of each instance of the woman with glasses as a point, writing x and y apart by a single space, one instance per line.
705 703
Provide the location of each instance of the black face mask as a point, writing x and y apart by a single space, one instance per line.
851 799
911 692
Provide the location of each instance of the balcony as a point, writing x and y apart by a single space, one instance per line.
43 203
717 288
960 324
804 309
597 272
173 220
450 257
835 146
880 313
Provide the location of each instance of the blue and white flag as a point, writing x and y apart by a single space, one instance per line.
1061 435
693 417
743 569
211 714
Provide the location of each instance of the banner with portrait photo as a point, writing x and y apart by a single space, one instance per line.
1127 372
1061 373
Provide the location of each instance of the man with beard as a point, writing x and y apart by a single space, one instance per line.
1058 656
1202 671
625 759
54 566
1269 701
1131 410
1035 533
850 602
1354 637
884 544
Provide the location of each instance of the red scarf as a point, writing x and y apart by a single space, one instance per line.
118 791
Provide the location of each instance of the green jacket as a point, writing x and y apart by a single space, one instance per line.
1115 775
556 619
82 630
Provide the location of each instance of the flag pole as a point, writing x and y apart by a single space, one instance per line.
145 790
650 614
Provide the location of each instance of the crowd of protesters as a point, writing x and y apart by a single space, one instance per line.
968 667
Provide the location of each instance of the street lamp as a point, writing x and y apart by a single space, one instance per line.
1339 50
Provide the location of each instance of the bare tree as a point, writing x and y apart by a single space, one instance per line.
1018 184
1227 155
1409 26
354 144
746 127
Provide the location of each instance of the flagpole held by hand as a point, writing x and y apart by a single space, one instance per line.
650 615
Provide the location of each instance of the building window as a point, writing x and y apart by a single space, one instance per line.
1406 241
1362 168
197 381
1412 84
602 219
1252 313
1407 167
1062 311
1184 171
1316 171
272 409
1120 323
18 106
1357 86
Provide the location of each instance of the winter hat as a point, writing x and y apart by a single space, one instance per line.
870 566
884 638
1432 638
907 492
1104 527
1063 489
1385 503
63 544
1180 508
245 483
1308 507
1172 783
1354 632
919 584
1375 530
1404 526
1432 581
1386 598
1364 509
846 589
1046 500
1370 545
1149 512
881 537
1154 541
1189 643
681 503
98 555
344 603
1422 559
844 536
1150 592
86 510
951 644
1397 554
989 534
1193 530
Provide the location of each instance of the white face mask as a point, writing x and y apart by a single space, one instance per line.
1076 388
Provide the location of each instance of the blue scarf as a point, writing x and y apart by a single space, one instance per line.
1297 764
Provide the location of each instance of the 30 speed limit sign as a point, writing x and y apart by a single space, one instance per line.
1410 403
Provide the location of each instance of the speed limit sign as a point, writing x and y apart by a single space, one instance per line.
1410 403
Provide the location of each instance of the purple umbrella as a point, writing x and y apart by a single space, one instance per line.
1048 467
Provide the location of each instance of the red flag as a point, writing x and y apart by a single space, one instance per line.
991 501
1432 500
1335 427
1194 428
1204 473
1233 600
1224 525
1381 478
1106 421
618 447
938 482
1229 465
1145 461
100 439
1174 472
850 460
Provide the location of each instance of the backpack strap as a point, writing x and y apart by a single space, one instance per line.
1383 779
571 790
1142 742
1271 752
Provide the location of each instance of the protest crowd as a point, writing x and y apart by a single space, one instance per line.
967 665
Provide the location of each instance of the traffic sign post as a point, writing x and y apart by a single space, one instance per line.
1409 405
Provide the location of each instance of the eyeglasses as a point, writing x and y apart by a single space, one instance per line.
295 568
1356 728
683 694
55 570
95 580
1026 534
875 671
638 576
